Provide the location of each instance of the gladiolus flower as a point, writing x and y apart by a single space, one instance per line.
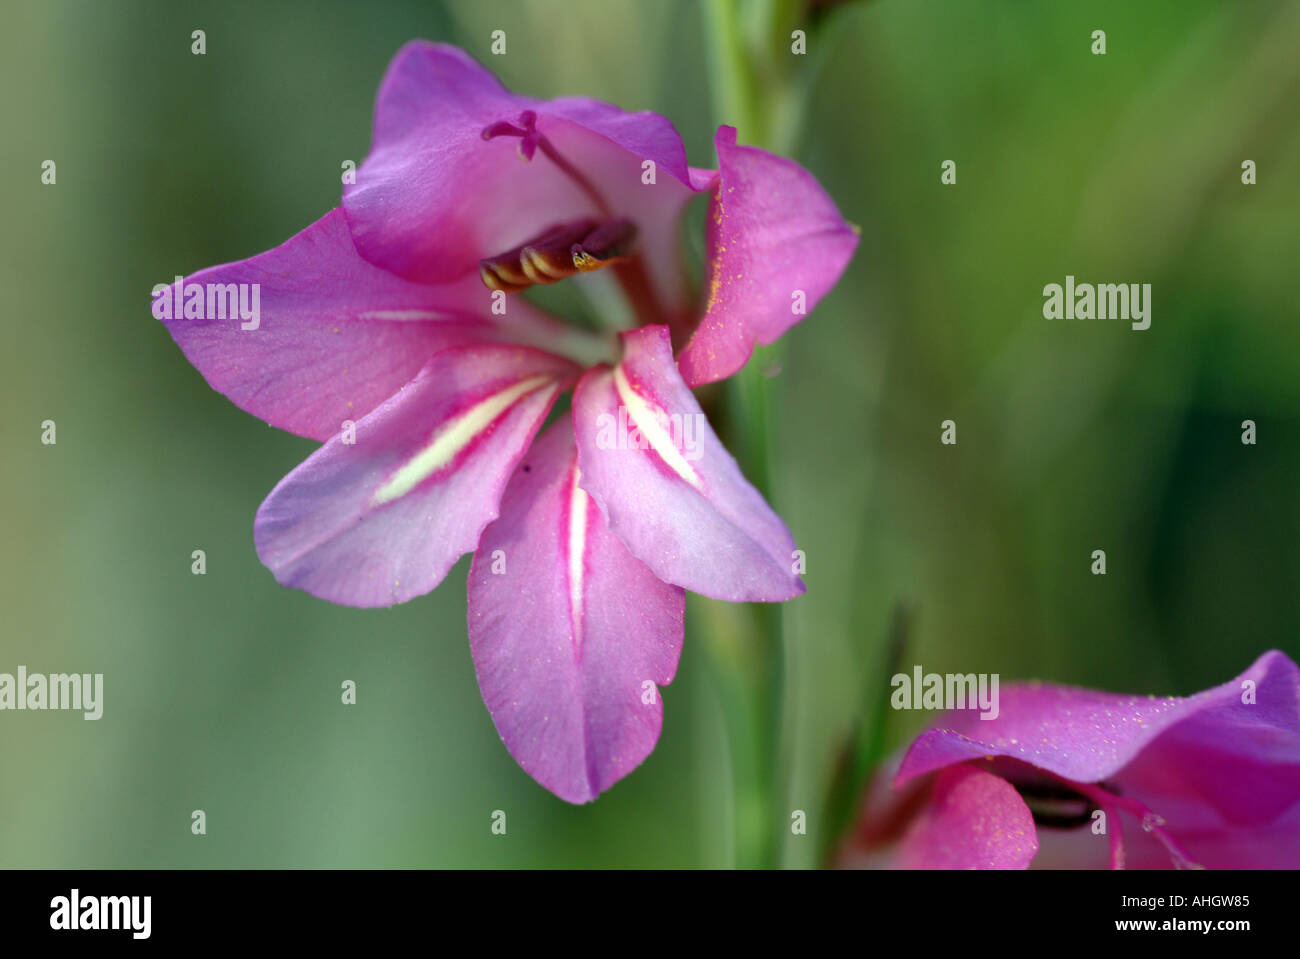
391 331
1074 778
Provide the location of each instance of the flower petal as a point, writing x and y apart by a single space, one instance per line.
433 197
1240 759
570 633
772 232
668 488
382 519
1244 757
335 336
974 820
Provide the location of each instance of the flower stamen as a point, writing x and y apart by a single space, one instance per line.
1150 821
1058 803
560 252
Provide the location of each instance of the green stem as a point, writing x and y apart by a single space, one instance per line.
731 79
745 663
866 744
760 86
747 651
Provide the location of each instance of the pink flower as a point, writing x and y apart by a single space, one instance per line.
1067 777
385 332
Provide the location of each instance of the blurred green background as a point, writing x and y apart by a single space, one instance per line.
222 691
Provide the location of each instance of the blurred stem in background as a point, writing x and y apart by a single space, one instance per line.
864 749
759 85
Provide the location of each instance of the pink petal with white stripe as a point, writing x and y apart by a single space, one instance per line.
668 487
571 635
335 336
381 520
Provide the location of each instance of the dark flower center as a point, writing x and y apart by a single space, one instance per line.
1059 803
558 252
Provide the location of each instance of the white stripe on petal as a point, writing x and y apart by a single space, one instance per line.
453 436
405 315
579 502
649 421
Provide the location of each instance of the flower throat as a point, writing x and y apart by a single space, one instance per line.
576 246
1059 803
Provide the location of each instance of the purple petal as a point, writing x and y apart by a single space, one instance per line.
702 180
772 231
973 820
381 520
571 635
335 336
1241 758
645 134
679 502
433 197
